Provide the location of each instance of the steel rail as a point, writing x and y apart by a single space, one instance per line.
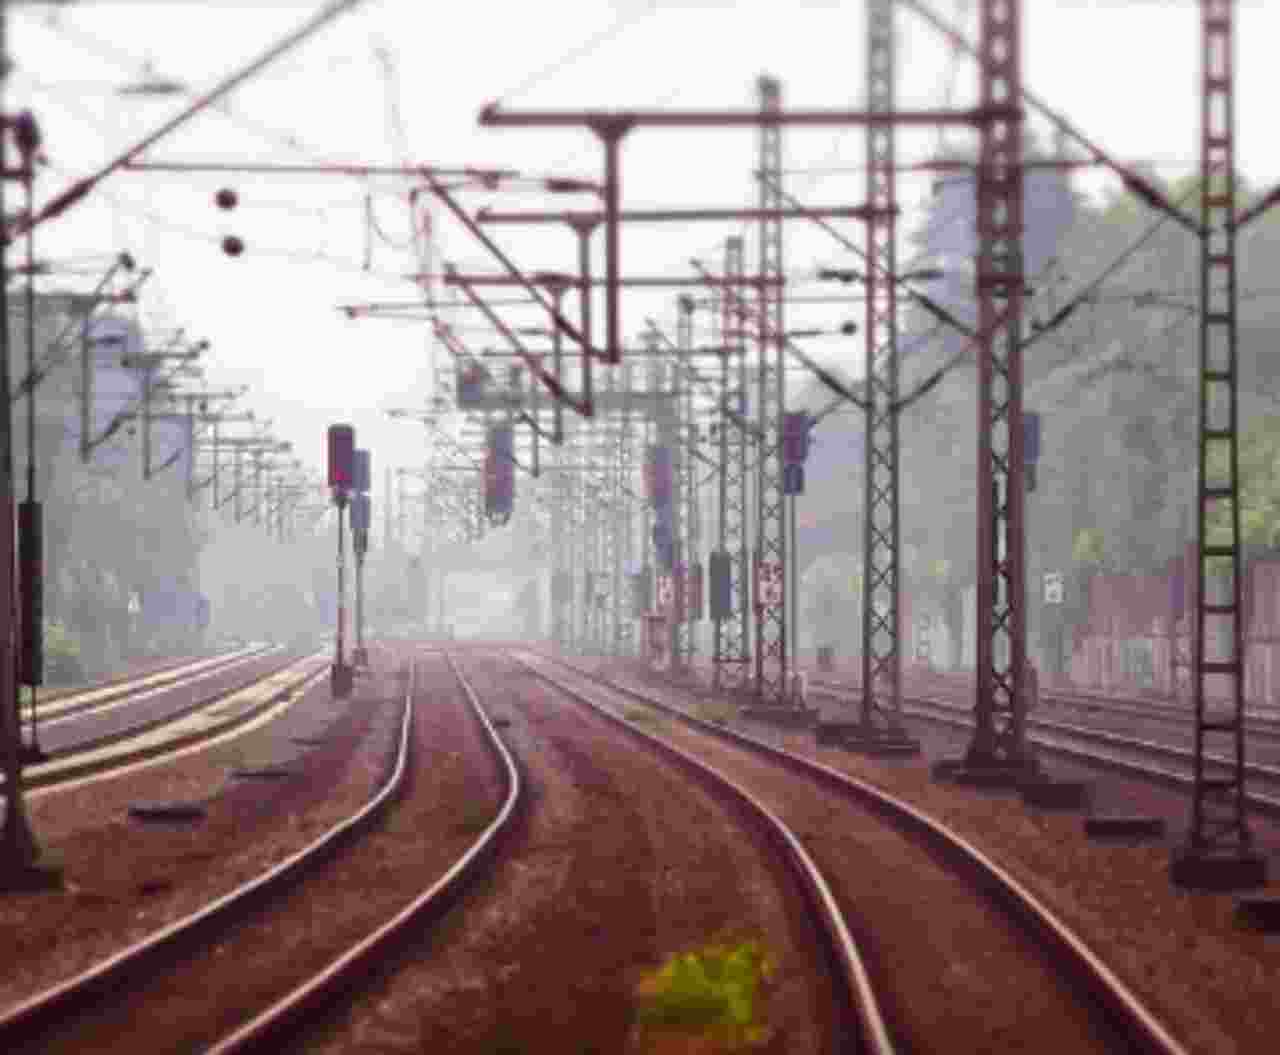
173 666
1103 737
1258 724
1143 1031
350 971
34 780
29 1020
73 704
861 1002
141 727
1051 740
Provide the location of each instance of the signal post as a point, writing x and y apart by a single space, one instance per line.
342 439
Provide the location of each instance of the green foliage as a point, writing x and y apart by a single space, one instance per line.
59 641
639 715
1259 485
712 990
1087 547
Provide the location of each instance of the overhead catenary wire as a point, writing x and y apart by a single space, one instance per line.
79 189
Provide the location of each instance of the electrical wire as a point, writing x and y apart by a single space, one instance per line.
579 51
106 50
74 193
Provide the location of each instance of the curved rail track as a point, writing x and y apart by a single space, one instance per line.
861 1021
54 1015
1091 981
173 667
1149 760
273 1026
159 721
1262 725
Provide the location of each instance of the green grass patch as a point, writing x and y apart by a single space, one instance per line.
712 991
472 819
640 715
720 712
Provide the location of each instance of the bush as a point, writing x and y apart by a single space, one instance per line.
711 990
62 662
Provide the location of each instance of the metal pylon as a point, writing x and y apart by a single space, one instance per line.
771 532
881 620
561 579
733 635
686 551
1219 826
624 511
667 408
999 738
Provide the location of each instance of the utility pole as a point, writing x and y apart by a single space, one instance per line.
879 728
686 554
19 852
771 571
733 576
998 748
1219 852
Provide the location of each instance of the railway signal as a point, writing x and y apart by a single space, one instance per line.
500 474
341 452
360 545
342 442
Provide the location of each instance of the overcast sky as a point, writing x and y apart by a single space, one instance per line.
1126 73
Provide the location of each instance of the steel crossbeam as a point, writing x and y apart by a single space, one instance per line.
881 619
999 738
771 523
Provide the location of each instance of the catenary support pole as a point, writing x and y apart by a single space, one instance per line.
18 848
880 718
1219 851
770 573
999 739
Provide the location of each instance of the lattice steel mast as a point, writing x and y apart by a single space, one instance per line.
999 739
1219 832
771 523
682 452
881 713
732 635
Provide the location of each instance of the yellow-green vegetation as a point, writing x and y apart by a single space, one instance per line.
640 715
473 818
1086 547
718 711
711 992
1259 485
59 641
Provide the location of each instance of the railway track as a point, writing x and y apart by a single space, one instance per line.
1261 724
54 708
162 721
275 1026
123 998
1121 1022
50 696
1150 760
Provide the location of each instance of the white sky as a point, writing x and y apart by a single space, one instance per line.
1126 73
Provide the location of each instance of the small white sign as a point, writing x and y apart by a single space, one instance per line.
134 605
665 591
769 583
1054 587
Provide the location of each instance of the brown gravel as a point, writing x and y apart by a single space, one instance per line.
953 972
125 879
619 863
1212 983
